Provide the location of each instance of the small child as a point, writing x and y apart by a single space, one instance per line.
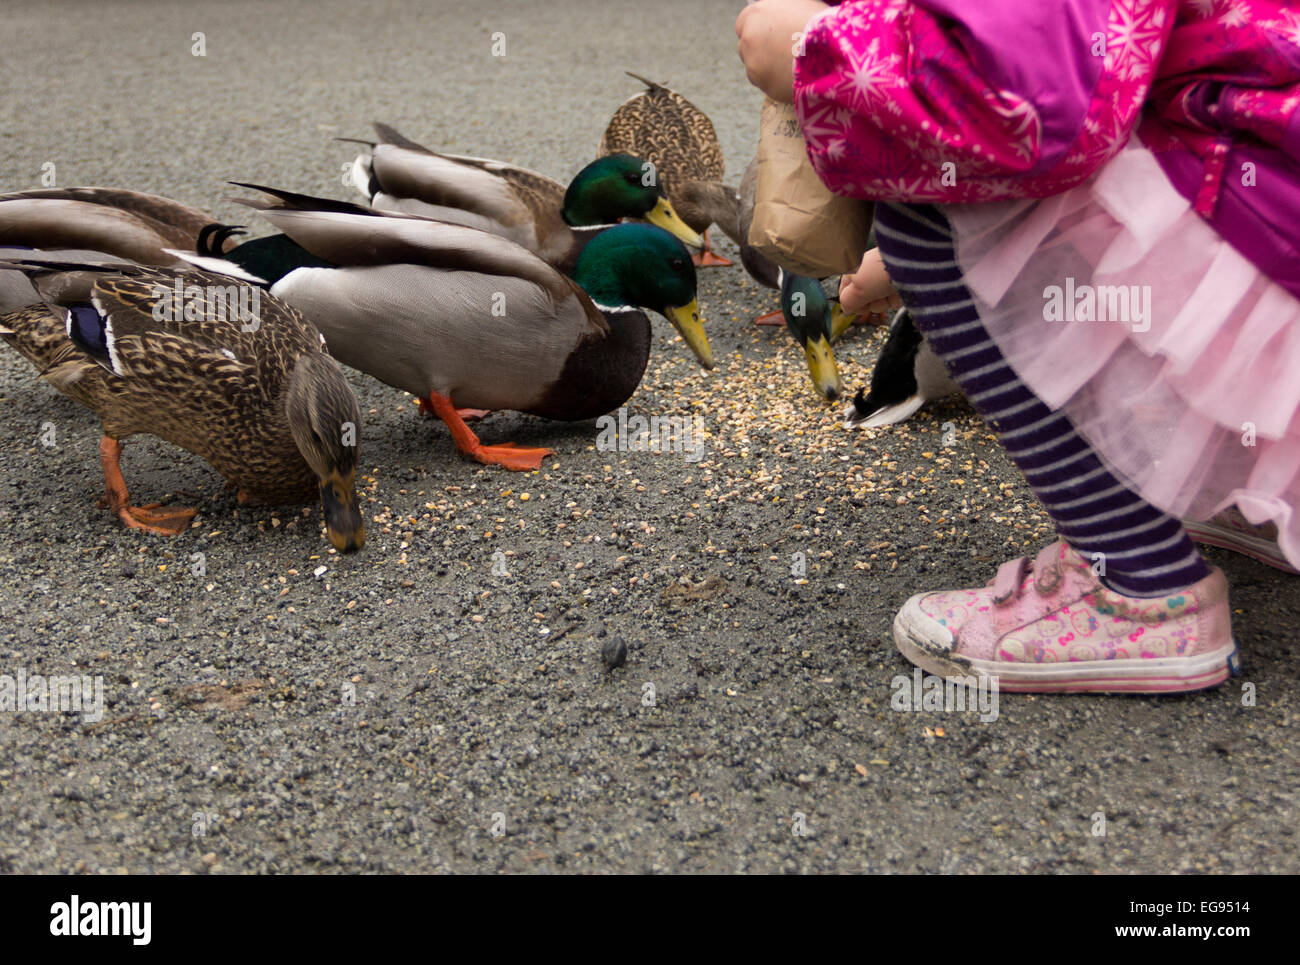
1092 211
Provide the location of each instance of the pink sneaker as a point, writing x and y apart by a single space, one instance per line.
1055 628
1231 531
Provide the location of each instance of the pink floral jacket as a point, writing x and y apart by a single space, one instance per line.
958 101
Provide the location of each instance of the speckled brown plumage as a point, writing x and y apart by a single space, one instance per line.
678 138
204 384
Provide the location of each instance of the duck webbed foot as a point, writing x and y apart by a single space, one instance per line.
156 518
153 517
511 456
508 455
707 257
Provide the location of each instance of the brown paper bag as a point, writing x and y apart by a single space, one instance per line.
798 223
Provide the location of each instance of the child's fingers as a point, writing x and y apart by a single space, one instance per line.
852 299
871 278
857 301
868 291
880 306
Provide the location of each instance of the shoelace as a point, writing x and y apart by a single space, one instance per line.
1009 582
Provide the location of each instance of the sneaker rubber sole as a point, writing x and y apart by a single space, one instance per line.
914 632
1257 548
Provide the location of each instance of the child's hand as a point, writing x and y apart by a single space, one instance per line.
769 32
868 291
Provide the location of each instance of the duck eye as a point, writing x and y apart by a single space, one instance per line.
678 264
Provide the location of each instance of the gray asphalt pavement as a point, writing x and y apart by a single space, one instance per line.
439 702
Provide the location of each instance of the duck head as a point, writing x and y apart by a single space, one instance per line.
641 266
622 186
325 420
811 319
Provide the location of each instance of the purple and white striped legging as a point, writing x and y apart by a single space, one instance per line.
1146 552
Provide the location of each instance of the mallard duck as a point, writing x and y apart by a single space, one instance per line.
249 389
817 321
907 375
814 321
126 224
462 317
532 210
678 138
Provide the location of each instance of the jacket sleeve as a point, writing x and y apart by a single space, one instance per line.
958 101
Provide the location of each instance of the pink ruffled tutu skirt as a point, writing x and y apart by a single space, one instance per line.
1172 354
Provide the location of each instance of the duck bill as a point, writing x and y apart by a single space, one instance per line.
338 497
821 366
663 216
840 321
686 319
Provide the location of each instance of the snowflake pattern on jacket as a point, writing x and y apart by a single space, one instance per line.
953 102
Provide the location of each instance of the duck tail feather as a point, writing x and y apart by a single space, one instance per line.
865 414
296 201
390 135
212 237
649 83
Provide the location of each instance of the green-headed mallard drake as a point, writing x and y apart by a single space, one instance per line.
813 318
814 321
678 138
464 318
532 210
221 369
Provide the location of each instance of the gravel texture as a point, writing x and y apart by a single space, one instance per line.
442 700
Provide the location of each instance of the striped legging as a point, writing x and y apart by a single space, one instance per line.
1145 552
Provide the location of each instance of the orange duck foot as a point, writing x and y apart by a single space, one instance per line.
165 520
152 518
507 455
707 257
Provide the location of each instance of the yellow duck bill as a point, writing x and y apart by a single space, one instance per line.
686 319
840 321
662 215
821 366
